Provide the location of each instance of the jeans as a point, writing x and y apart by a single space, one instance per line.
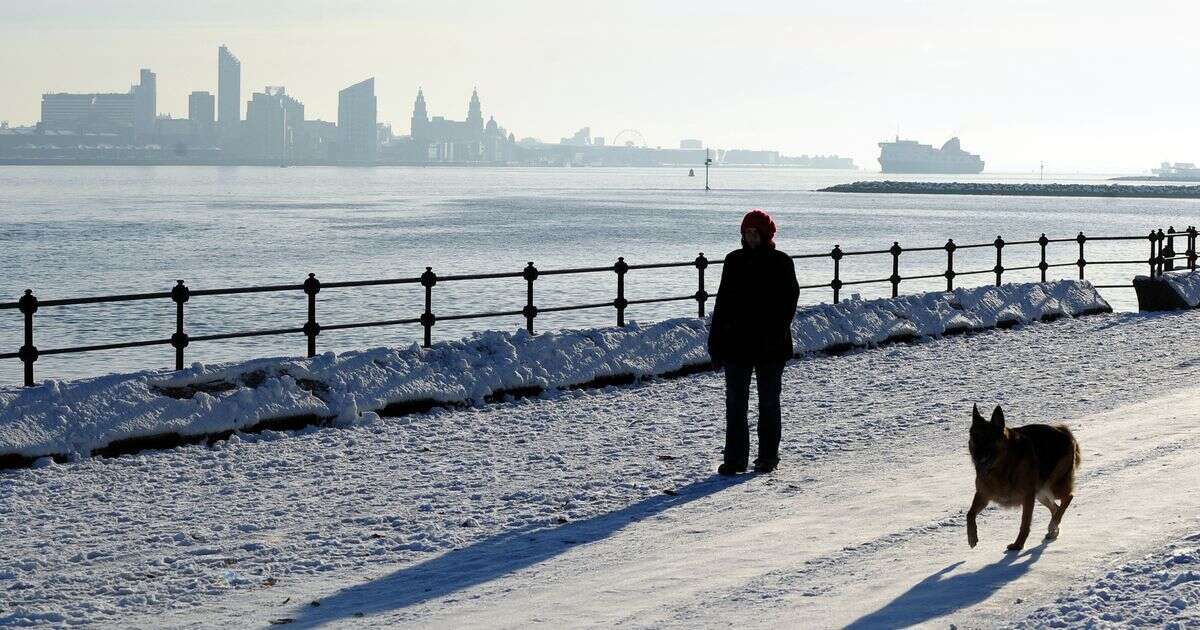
737 402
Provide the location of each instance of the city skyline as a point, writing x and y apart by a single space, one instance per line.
1107 92
110 128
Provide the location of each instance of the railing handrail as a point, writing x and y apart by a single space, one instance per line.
1161 258
278 288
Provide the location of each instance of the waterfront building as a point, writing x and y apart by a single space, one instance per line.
581 138
357 134
271 120
123 114
88 113
439 139
748 157
314 141
201 109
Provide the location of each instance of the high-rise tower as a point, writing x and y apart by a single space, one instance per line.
357 137
145 103
229 88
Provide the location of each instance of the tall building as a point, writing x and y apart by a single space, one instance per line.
145 96
357 136
229 88
201 108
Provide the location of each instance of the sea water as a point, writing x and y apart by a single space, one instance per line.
70 232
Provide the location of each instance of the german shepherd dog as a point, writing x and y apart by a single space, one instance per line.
1018 466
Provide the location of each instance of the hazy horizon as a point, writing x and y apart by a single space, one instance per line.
1092 87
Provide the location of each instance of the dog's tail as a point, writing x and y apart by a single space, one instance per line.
1063 477
1074 443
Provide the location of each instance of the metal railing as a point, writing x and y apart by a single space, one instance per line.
1162 257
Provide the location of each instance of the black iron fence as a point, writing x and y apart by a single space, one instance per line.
1162 256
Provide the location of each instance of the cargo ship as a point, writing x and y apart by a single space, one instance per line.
910 156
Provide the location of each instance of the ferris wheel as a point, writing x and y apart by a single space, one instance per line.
629 138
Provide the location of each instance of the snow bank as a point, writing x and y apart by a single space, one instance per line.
1186 284
72 419
1161 590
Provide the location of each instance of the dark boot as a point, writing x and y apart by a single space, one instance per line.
765 465
729 470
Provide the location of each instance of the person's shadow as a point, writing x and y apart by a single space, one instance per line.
939 595
488 559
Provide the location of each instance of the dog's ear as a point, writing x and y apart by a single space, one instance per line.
998 417
976 417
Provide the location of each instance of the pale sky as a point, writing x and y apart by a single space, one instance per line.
1096 86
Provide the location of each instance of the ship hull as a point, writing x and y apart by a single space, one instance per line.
929 168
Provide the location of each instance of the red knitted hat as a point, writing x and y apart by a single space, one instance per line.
762 222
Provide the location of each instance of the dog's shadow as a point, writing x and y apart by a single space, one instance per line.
941 593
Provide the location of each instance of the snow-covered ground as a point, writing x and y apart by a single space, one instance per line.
600 507
1161 590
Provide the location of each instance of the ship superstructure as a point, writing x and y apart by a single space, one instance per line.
910 156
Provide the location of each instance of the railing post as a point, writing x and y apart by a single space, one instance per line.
1169 253
950 247
179 295
999 268
530 273
836 284
312 287
1153 255
895 251
1082 262
28 352
701 294
1042 266
1160 237
1191 252
428 280
620 303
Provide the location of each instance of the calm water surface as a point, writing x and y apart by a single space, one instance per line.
78 231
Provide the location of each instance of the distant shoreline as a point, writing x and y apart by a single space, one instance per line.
267 163
1145 178
1022 190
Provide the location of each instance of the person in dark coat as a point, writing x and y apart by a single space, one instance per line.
751 332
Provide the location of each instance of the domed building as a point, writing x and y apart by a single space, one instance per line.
438 139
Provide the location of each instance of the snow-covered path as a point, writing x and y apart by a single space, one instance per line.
600 507
859 541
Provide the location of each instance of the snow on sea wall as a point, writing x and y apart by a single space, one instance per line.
1186 284
77 418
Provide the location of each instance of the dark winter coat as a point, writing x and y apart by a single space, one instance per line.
752 317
